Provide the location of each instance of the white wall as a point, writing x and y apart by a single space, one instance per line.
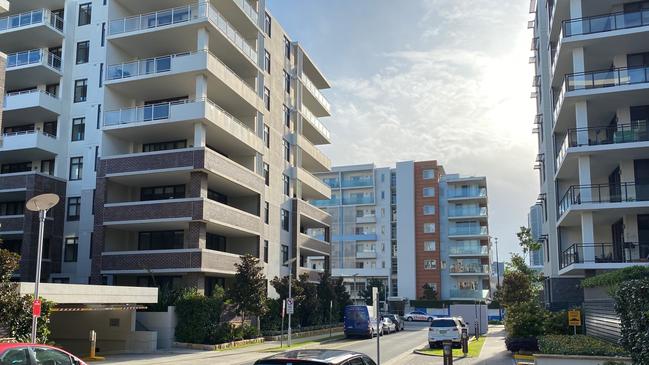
406 230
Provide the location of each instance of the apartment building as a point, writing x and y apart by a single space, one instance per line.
591 82
179 135
535 224
409 226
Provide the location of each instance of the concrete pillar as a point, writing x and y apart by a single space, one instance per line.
588 236
197 185
578 62
575 9
199 134
202 40
623 114
585 178
581 115
201 87
196 235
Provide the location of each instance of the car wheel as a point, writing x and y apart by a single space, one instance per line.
431 345
430 319
409 319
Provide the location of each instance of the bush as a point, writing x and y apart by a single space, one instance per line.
613 278
632 305
197 315
516 344
556 323
525 319
578 345
249 332
493 321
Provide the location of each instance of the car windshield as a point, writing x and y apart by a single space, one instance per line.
443 323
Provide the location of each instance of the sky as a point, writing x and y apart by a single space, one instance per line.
429 79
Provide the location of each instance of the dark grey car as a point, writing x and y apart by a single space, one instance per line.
398 321
317 357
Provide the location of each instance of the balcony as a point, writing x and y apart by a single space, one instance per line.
149 78
604 196
182 24
358 200
11 224
133 167
365 182
366 254
469 294
468 231
469 269
312 187
177 118
313 98
314 130
28 146
366 219
312 158
313 275
326 202
28 106
581 256
313 213
476 250
32 29
313 245
27 68
472 193
165 261
467 212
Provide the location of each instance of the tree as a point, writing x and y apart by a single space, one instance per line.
367 292
248 291
516 288
429 293
331 291
526 241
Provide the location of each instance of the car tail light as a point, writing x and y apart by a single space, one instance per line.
430 329
454 329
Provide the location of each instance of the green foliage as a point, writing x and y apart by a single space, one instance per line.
516 288
632 305
526 241
248 291
170 296
429 293
367 292
525 319
555 323
15 310
226 332
615 277
578 345
197 315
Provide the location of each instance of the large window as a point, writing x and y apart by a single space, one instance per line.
47 167
287 184
429 192
287 48
80 90
74 208
267 98
12 208
429 246
267 136
429 209
162 192
267 61
76 168
287 115
266 212
429 227
10 168
85 13
83 52
284 219
287 150
267 24
217 197
216 242
284 255
78 129
163 146
430 264
160 240
266 174
71 249
429 174
287 82
266 251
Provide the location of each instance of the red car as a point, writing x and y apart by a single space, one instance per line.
34 354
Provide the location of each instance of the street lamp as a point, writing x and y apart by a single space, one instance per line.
290 282
355 288
41 204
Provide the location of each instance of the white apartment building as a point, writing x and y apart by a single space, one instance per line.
592 84
535 224
179 135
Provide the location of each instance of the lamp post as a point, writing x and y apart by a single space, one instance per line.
355 289
290 285
41 204
500 310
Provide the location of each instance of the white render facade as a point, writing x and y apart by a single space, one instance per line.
184 134
592 86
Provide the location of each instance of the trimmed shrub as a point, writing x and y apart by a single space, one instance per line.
525 319
578 345
632 305
516 344
556 323
615 277
196 315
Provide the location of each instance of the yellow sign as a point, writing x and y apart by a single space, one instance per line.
574 318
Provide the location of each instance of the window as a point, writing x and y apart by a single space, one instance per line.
287 82
429 209
266 251
430 264
429 227
429 192
359 265
287 184
85 14
10 168
160 240
267 61
287 48
96 158
92 243
103 34
98 115
76 168
71 248
267 98
287 116
80 90
284 255
12 208
216 242
16 356
287 150
429 245
46 355
267 24
284 219
216 196
83 52
429 174
267 135
162 192
266 212
47 167
78 129
163 146
101 75
382 195
74 208
266 174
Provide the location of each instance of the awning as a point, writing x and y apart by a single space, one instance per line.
94 308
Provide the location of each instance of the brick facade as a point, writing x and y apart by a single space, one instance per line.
425 276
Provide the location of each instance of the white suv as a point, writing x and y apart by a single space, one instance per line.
444 329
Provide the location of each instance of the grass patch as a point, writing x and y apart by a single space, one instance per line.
474 349
304 343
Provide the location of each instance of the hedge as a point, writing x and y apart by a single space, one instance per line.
632 305
616 277
421 303
578 345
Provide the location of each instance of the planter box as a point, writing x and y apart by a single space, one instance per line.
221 346
324 331
545 359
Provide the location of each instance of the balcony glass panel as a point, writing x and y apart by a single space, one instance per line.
358 200
326 202
606 78
313 120
604 253
315 91
605 23
32 57
30 18
468 250
469 293
603 193
466 266
473 192
467 212
350 183
476 230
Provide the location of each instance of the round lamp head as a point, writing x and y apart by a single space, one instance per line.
42 202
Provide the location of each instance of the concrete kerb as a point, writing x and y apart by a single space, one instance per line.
218 347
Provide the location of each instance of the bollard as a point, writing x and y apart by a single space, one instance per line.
477 331
448 352
93 343
465 341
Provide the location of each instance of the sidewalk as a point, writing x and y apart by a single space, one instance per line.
494 351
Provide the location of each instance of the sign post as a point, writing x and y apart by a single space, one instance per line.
375 301
574 319
36 308
281 332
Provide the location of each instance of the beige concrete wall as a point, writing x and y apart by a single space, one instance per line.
164 323
576 360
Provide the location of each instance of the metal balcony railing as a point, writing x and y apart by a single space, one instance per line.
25 92
351 183
250 11
33 56
313 120
161 18
606 78
468 231
603 193
468 212
469 250
580 253
468 193
30 18
605 23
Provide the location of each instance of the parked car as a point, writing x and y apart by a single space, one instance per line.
388 325
360 321
418 316
29 353
319 357
444 329
398 321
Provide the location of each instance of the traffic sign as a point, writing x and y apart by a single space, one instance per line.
574 317
36 308
289 306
